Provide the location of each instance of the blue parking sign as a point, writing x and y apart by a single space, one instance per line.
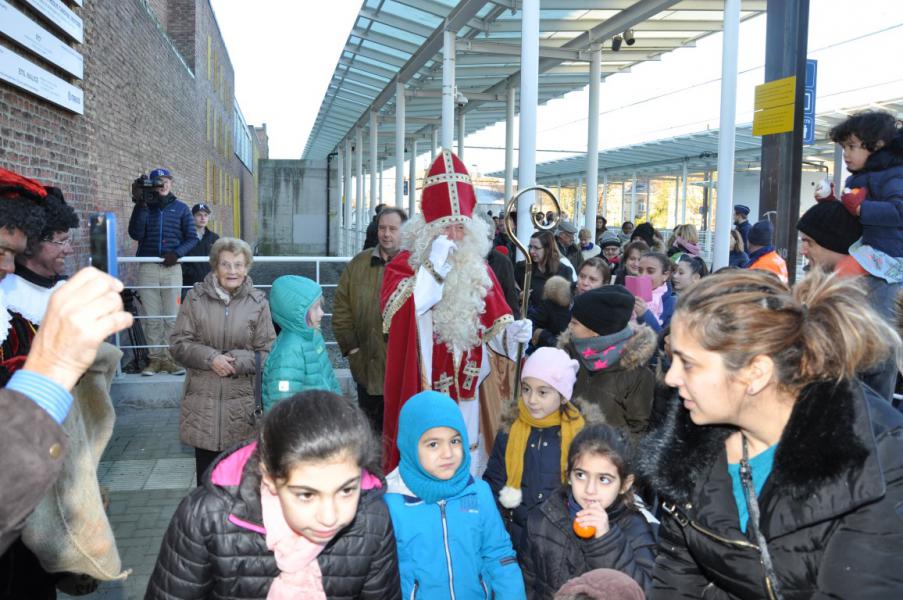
809 102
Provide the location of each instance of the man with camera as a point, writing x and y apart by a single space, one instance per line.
164 228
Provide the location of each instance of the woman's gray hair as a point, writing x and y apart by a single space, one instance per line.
233 245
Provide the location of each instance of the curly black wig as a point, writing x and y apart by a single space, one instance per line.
59 217
18 212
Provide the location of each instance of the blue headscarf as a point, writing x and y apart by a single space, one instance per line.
423 412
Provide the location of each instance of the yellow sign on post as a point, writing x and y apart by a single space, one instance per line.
774 106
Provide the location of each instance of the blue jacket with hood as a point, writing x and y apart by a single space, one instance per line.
450 536
298 360
164 227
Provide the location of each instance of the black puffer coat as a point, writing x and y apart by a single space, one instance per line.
212 551
830 510
554 554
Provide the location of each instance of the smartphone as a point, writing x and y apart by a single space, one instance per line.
640 286
103 242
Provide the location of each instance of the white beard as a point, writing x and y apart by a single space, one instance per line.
456 318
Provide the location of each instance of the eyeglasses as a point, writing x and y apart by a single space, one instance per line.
227 266
66 242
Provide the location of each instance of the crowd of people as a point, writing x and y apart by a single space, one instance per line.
646 429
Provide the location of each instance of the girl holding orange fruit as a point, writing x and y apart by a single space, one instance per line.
592 522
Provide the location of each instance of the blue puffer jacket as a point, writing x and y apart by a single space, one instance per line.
298 360
455 548
162 228
882 212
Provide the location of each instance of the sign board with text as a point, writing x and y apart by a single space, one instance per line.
774 106
809 102
62 17
28 34
24 74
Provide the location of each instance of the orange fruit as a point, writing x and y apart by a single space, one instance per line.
584 531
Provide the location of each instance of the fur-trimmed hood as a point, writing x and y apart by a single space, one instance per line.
558 290
637 352
829 434
592 414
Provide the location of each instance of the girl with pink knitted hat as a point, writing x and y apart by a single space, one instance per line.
529 457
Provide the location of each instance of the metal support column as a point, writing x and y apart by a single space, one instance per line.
509 143
592 139
461 131
676 202
412 179
399 145
375 188
349 246
786 42
727 134
683 195
604 211
448 89
340 190
838 170
435 144
578 199
529 98
633 198
359 188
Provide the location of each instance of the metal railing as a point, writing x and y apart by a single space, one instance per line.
317 261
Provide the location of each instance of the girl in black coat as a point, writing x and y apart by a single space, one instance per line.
781 475
298 511
592 523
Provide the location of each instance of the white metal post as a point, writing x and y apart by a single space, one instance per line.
359 170
380 186
349 248
838 169
412 180
399 144
340 188
578 199
592 139
683 195
633 198
509 143
604 196
461 134
434 144
676 202
529 98
374 162
448 89
727 134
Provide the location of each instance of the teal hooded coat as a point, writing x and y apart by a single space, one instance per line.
298 360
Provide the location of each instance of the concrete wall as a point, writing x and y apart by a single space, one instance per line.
293 209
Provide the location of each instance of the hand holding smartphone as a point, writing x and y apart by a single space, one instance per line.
103 242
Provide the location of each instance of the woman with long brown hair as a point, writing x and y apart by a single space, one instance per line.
781 475
546 264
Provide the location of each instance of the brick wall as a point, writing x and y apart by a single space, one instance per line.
150 100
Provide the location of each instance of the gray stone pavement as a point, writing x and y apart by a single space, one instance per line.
147 472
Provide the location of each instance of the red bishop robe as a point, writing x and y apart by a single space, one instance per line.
403 374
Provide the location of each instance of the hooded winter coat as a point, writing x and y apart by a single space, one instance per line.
216 411
830 509
882 212
459 541
299 360
166 226
554 554
624 390
551 316
542 467
215 547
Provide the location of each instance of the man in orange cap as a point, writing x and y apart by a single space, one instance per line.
442 306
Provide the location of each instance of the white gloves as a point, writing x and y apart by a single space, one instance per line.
520 331
440 250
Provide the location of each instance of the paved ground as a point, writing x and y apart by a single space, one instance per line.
147 472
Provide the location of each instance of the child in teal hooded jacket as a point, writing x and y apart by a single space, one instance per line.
450 536
298 360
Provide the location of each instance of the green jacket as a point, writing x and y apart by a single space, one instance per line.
357 321
298 360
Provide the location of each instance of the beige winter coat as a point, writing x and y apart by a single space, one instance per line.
216 411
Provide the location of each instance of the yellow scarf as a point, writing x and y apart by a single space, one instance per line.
520 432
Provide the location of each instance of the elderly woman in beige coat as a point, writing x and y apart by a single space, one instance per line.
222 323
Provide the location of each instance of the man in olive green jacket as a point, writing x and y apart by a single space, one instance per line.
356 319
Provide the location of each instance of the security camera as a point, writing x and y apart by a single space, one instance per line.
460 100
629 38
616 43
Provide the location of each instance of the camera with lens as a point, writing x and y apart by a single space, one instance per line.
144 189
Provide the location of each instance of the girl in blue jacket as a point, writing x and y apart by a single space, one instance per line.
450 536
298 360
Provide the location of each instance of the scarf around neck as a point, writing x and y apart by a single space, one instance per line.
569 419
602 352
657 306
296 556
